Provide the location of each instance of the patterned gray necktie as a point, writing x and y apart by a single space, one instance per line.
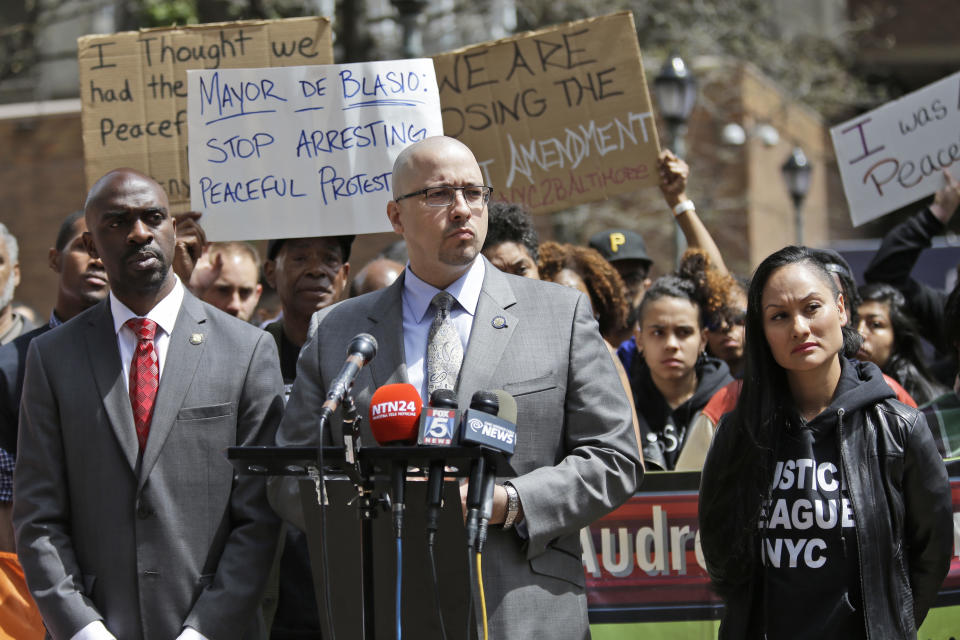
444 351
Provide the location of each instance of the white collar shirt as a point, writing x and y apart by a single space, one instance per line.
418 316
164 314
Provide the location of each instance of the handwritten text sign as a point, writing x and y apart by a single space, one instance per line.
555 117
133 88
894 155
304 151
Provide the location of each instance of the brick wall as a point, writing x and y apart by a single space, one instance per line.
41 181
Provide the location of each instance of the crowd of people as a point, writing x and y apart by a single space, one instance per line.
792 387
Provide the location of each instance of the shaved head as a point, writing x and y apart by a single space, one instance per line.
406 166
130 229
105 185
442 241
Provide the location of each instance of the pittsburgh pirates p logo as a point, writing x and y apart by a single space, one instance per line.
616 241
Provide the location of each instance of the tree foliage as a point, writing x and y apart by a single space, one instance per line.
814 69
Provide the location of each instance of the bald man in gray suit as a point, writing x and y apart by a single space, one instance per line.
131 524
576 456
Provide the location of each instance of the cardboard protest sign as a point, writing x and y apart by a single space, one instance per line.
304 151
133 88
555 117
894 155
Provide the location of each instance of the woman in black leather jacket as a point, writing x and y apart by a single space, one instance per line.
825 508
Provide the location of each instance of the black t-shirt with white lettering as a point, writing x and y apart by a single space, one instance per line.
809 544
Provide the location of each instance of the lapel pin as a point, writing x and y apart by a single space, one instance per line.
499 322
196 338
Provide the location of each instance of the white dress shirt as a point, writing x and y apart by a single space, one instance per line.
164 314
96 631
418 316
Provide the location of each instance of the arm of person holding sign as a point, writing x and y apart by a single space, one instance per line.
191 239
674 173
899 251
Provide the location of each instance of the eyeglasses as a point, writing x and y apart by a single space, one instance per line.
474 196
727 318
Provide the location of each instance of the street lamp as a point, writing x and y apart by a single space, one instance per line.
796 173
676 90
410 11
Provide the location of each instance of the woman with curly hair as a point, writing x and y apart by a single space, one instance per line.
726 312
891 341
675 378
585 270
824 509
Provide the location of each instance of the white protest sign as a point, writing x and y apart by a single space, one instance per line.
303 151
894 155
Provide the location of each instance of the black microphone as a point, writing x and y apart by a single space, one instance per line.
507 419
361 350
438 427
483 408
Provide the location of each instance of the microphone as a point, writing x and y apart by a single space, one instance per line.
395 414
438 427
438 422
483 408
360 351
394 417
507 420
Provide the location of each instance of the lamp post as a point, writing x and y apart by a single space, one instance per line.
410 11
676 91
796 173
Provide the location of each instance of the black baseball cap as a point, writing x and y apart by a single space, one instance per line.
620 244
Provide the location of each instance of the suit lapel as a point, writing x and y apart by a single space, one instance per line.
492 327
386 314
179 367
104 356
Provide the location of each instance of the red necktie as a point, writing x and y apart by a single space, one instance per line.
144 376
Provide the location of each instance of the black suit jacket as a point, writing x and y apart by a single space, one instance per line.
13 356
150 542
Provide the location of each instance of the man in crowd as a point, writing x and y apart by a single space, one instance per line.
484 329
627 252
377 274
81 283
130 521
12 324
308 274
512 244
227 276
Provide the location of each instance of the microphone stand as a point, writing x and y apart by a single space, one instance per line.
367 504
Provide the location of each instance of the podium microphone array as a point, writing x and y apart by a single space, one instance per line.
398 418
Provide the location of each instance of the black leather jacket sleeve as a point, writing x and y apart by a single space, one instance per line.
928 530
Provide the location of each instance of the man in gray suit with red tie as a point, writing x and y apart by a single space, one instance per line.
576 454
130 523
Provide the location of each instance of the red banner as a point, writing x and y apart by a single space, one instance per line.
643 561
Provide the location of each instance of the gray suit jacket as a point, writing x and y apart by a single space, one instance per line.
576 452
155 542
